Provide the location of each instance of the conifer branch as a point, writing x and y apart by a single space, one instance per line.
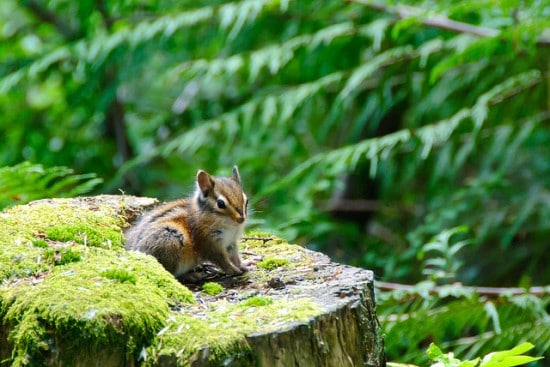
107 19
439 21
482 291
52 18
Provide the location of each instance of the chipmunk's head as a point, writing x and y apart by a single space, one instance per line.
223 196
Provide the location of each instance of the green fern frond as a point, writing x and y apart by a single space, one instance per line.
502 91
26 182
367 69
233 15
271 58
97 49
468 324
345 159
477 49
538 332
504 358
275 108
34 69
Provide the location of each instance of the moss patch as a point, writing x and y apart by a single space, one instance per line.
271 263
212 288
272 246
121 275
67 283
224 328
40 243
61 257
26 230
256 301
86 233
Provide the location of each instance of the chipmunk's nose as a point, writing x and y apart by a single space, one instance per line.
240 219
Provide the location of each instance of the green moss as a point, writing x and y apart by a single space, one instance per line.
22 227
261 239
69 256
20 259
257 301
270 245
276 252
121 275
86 234
78 306
62 257
40 243
224 329
212 288
271 263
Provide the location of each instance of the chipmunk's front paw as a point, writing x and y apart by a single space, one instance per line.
235 271
191 277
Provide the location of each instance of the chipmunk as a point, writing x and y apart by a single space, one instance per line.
207 226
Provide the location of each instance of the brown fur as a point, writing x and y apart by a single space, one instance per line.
183 233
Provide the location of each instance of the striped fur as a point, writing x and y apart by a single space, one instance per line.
183 233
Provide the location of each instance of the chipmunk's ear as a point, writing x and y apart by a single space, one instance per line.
236 176
205 182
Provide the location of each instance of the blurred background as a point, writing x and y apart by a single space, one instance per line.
384 134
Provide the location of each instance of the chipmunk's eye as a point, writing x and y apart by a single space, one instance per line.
221 204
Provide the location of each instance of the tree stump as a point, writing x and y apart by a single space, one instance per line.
71 295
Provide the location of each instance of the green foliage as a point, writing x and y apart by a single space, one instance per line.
441 124
466 319
442 262
25 182
462 319
469 320
448 123
505 358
